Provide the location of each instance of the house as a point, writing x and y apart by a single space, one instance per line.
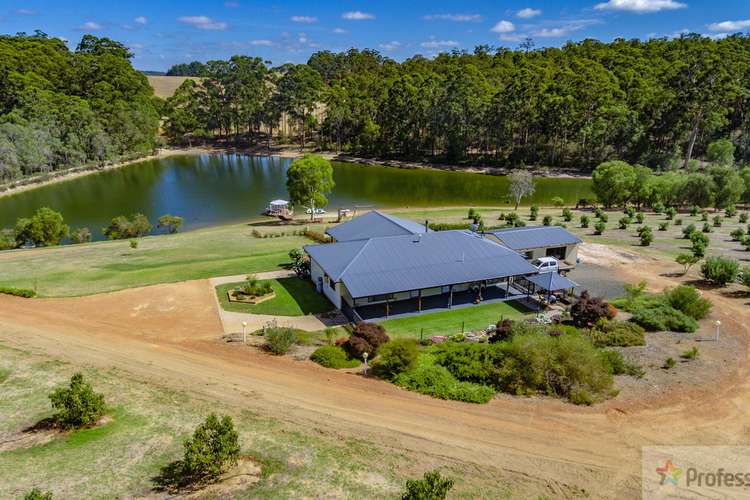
374 224
540 241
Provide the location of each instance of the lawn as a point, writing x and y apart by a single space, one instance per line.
112 265
452 322
294 297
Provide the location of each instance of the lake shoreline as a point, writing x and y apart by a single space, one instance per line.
282 151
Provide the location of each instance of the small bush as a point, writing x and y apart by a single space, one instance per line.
432 486
604 217
629 212
587 310
688 299
658 207
471 214
18 292
557 201
533 212
607 333
704 216
661 317
678 222
396 356
717 221
585 221
706 228
620 366
688 231
81 235
691 353
547 220
737 234
213 448
37 494
646 235
743 218
670 213
663 226
599 227
720 270
598 213
744 276
639 218
437 381
694 210
687 261
279 339
669 363
567 214
730 211
78 405
624 222
133 244
333 357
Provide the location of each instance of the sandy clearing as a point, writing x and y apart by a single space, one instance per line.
169 334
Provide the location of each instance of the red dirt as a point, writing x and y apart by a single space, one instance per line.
169 334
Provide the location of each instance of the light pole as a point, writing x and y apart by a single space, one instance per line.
244 332
718 330
364 356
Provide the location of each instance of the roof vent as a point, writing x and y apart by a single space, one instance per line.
417 238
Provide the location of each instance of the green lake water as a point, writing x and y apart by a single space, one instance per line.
221 188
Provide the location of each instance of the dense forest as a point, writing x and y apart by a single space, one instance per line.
658 103
62 108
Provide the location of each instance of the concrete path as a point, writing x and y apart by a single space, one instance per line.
271 275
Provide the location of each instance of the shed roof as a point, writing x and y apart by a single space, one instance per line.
401 263
552 282
525 238
279 202
374 224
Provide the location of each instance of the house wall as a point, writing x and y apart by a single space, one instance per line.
571 251
316 275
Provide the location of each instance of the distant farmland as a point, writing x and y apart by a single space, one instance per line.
164 86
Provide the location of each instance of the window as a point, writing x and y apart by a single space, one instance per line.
380 298
557 252
528 255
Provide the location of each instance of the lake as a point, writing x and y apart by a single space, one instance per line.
213 189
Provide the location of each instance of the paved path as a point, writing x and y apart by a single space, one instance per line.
271 275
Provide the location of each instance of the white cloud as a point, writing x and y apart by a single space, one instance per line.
733 26
340 31
389 46
503 27
90 26
302 38
26 12
142 20
231 5
459 18
203 23
512 37
439 44
640 6
304 19
357 16
528 13
262 42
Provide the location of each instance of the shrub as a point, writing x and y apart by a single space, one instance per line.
37 494
316 236
737 234
706 228
670 213
333 357
669 363
619 366
437 381
547 220
646 235
213 448
720 270
604 217
123 228
743 218
557 201
503 330
81 235
694 210
587 310
629 212
704 216
690 353
688 231
658 207
279 339
585 221
77 405
133 244
744 276
300 264
567 214
18 292
471 214
432 486
624 222
599 227
610 333
396 356
662 317
534 212
45 228
730 211
717 221
639 218
687 260
678 222
663 226
688 299
172 223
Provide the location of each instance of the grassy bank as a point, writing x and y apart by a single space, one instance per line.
107 266
294 297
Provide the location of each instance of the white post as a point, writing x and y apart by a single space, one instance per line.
718 330
244 332
364 356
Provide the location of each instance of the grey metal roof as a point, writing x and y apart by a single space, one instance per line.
552 282
374 224
525 238
400 263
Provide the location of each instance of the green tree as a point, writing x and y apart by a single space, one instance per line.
46 227
213 448
729 186
172 223
77 405
300 88
432 486
309 180
613 182
721 153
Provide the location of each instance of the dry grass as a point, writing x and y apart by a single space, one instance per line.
165 86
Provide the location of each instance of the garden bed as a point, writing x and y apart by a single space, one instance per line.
238 296
290 297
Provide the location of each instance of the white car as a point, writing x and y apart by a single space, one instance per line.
318 211
546 264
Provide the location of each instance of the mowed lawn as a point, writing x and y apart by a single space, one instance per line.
73 270
294 297
451 322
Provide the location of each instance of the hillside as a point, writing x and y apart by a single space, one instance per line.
164 86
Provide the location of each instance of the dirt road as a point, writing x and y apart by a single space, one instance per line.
169 334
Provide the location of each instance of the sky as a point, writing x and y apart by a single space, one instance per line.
163 33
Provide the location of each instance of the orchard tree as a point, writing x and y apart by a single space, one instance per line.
77 405
521 185
308 181
613 182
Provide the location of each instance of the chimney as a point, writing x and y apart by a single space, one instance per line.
426 225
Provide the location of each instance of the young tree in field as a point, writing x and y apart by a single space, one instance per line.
687 260
308 181
721 153
77 405
172 223
613 182
521 185
431 487
213 448
46 227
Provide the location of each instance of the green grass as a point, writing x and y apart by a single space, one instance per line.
450 322
4 374
112 265
294 297
150 422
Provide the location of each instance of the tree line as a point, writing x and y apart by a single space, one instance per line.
658 102
61 108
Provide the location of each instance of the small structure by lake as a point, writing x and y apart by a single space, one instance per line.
279 208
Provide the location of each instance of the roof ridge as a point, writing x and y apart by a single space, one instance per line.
356 256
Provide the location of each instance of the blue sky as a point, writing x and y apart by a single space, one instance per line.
162 33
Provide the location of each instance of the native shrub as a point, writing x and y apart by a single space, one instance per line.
432 486
670 213
737 234
585 221
279 339
599 227
669 363
77 405
694 210
547 220
81 235
691 353
624 222
743 218
730 211
396 356
662 317
646 235
688 231
567 214
639 218
744 276
629 212
689 300
437 381
678 221
687 261
720 270
658 207
213 448
611 333
18 292
557 201
587 310
717 221
663 226
533 212
333 357
620 366
704 216
37 494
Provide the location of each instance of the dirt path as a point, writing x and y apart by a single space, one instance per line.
169 334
